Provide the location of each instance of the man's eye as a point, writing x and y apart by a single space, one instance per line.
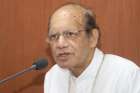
69 34
53 37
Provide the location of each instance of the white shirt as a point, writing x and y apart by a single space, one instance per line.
105 74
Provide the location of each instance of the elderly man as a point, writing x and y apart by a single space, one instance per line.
80 66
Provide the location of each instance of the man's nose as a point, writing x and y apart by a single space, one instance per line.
62 42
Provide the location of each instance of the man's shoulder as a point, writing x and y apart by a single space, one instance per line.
56 70
120 62
117 60
52 70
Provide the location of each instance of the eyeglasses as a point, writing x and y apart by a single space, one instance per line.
68 35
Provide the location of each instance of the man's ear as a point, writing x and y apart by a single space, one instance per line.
47 43
94 38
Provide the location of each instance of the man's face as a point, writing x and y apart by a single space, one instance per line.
71 48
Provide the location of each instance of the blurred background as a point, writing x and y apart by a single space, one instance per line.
23 29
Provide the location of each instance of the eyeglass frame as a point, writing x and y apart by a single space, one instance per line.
68 35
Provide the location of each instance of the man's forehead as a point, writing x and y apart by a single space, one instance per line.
73 12
70 8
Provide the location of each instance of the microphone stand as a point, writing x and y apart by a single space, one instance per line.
17 74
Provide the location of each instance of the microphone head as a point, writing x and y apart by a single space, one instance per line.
40 63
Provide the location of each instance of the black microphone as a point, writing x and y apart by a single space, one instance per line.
37 65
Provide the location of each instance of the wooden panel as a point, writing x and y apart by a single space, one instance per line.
119 21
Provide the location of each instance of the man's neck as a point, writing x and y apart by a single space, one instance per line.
77 71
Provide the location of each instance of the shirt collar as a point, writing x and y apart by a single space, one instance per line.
92 69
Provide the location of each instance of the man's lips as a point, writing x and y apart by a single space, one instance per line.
63 56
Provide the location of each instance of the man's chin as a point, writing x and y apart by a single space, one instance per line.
64 66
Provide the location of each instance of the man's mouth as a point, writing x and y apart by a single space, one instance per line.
63 56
